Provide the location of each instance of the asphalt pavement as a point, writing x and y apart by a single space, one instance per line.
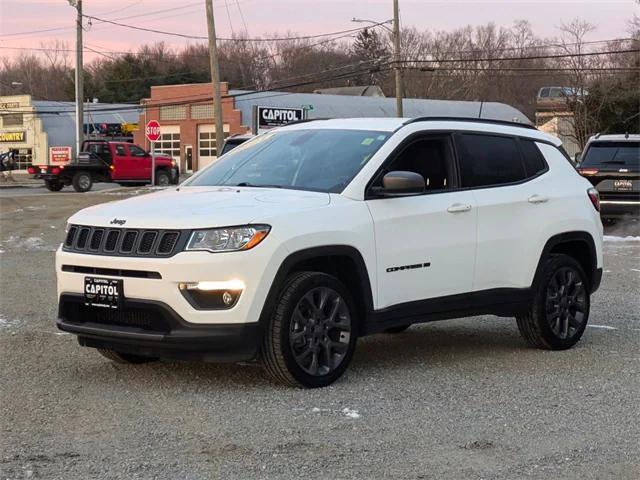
460 399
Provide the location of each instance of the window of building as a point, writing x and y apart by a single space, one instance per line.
489 160
173 112
23 158
203 110
169 144
12 119
533 161
207 143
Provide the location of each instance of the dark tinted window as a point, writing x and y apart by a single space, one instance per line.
533 161
429 157
613 153
120 150
136 151
489 160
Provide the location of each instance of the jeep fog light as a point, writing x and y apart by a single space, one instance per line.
212 295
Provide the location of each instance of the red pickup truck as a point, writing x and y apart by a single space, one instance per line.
105 161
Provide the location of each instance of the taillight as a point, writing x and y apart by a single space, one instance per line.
588 171
594 196
31 171
55 170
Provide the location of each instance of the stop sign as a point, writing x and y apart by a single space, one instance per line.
152 130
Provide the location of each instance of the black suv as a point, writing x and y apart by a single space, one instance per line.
612 164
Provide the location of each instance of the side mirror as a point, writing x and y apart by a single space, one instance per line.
402 183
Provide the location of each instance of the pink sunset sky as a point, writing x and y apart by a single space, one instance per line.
20 18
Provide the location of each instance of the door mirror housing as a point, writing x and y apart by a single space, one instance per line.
402 183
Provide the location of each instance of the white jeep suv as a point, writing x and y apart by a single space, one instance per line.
298 242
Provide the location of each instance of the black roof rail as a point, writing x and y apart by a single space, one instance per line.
471 120
305 120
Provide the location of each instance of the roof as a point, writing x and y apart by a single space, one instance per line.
345 106
60 127
633 137
435 123
356 91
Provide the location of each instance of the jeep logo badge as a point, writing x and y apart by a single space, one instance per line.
117 221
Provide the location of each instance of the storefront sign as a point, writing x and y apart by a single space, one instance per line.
271 117
8 105
13 137
59 154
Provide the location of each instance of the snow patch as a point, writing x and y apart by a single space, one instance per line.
4 323
628 238
30 244
603 327
350 413
635 270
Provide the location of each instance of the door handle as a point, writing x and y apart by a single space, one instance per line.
538 199
459 208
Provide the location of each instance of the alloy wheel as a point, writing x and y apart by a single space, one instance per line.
566 303
320 331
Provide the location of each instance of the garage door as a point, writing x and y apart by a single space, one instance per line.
207 151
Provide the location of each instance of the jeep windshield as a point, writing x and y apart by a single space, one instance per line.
323 160
613 154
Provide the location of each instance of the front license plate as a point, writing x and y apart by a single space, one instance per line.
103 292
623 185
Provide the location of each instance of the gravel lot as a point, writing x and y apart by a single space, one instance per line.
462 399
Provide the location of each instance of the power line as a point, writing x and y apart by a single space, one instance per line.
200 37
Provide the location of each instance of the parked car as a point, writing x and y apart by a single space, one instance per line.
291 248
612 164
106 161
232 142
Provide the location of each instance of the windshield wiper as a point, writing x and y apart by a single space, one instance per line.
249 184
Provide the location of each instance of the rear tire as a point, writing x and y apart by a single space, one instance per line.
311 335
82 182
162 178
53 185
119 357
559 312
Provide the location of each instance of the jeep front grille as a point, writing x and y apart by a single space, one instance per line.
124 242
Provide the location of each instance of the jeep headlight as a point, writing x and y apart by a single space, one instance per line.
228 239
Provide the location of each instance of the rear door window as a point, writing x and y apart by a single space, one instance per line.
488 160
614 154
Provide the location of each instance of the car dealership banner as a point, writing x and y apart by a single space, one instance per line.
266 118
59 155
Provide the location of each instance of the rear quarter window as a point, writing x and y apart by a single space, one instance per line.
534 163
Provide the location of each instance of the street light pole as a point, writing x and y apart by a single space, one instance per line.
397 58
79 79
215 77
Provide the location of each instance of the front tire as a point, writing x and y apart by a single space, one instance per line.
82 182
162 178
559 312
119 357
311 335
53 185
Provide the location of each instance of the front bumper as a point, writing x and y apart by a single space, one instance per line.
153 329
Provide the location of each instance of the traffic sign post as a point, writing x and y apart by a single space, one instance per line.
152 132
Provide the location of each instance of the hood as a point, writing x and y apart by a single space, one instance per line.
200 207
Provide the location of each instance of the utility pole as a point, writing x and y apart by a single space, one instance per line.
397 58
79 79
215 77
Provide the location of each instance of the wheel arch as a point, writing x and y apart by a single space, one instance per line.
579 245
345 262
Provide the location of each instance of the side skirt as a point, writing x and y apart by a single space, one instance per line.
503 302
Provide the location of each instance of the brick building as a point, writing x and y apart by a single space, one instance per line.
185 113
